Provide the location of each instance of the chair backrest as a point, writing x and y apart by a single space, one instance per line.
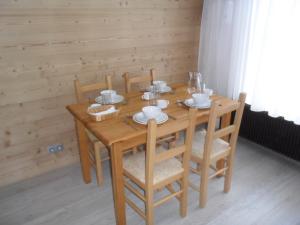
217 111
129 81
81 90
154 132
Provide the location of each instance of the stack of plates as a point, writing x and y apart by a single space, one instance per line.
165 89
116 99
190 103
142 119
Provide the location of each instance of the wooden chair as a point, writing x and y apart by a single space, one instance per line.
148 79
95 152
160 168
129 81
209 147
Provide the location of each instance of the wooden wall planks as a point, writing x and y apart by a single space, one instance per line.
45 45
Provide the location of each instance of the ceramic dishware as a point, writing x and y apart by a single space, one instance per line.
191 103
151 112
159 84
142 119
200 98
108 96
161 103
147 95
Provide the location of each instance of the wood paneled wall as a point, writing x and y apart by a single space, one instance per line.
45 45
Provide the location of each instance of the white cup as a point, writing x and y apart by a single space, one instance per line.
107 96
161 103
151 112
160 84
200 98
147 95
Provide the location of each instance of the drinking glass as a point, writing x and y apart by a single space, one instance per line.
191 83
198 82
195 83
155 93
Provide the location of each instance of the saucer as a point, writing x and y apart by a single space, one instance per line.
190 103
166 89
116 99
141 119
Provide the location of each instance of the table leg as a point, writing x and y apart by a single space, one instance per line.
224 123
83 152
118 183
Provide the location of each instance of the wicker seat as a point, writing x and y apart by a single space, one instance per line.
219 146
157 168
135 166
209 147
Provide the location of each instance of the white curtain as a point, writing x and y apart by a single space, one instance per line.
223 43
254 46
272 75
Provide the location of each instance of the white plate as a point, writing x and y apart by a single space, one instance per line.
116 99
166 89
190 103
141 119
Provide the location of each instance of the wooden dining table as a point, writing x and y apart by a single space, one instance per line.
121 133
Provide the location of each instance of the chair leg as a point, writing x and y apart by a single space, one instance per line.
99 172
183 198
149 208
203 185
228 174
172 144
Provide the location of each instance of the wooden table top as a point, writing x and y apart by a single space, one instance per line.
123 127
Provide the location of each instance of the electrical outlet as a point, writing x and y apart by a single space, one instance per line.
51 148
55 148
60 147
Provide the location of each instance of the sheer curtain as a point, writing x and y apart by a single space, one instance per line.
272 75
223 43
254 46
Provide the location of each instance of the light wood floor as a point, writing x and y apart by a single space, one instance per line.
266 190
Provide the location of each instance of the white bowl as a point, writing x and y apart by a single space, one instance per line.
147 95
200 98
161 103
160 84
108 92
151 112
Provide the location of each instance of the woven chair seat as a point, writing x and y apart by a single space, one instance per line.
135 166
219 145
